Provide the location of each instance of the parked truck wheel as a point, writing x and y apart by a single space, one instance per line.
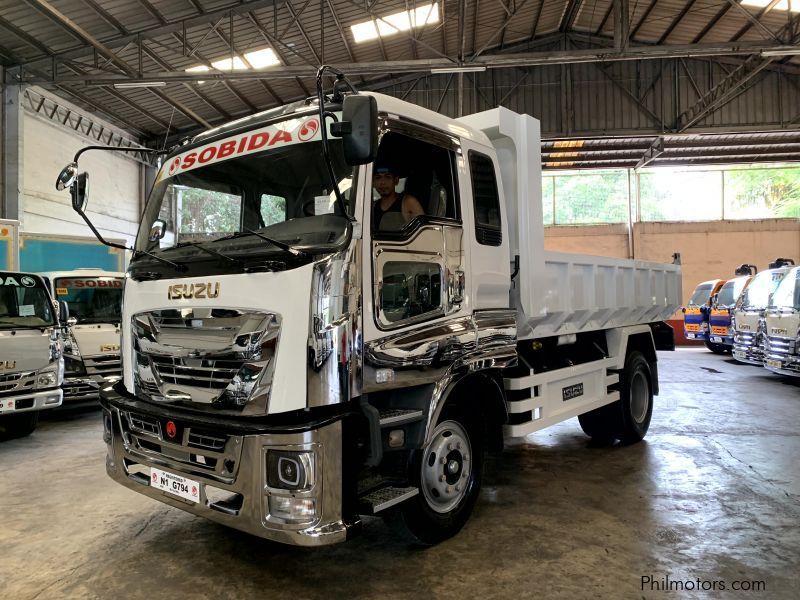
17 426
716 348
627 419
448 472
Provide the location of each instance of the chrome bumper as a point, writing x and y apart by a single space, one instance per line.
231 472
746 350
35 401
781 356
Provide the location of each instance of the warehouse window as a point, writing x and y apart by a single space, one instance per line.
667 195
591 197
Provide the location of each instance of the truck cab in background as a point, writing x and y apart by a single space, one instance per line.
91 338
720 332
748 317
696 312
782 327
31 366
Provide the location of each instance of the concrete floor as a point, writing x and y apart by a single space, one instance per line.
711 494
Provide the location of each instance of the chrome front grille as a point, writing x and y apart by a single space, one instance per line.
206 440
777 347
106 364
144 424
74 390
208 373
12 383
206 358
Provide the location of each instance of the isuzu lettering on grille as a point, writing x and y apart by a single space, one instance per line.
187 291
7 364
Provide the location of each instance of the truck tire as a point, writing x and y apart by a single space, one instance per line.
447 490
627 419
716 348
18 426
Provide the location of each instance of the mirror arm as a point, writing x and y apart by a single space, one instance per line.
94 230
114 149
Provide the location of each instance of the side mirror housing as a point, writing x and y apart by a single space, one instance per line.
358 129
63 312
80 192
67 176
158 230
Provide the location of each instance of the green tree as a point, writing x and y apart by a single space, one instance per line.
207 211
600 197
776 192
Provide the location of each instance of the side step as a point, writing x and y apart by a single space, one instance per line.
399 416
383 498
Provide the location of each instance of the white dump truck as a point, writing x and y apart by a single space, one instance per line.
91 345
747 321
31 367
782 327
335 308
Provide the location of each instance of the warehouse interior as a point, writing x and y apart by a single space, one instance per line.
666 127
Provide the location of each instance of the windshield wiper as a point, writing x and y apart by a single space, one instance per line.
177 266
206 250
278 244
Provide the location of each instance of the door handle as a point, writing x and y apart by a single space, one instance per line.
457 287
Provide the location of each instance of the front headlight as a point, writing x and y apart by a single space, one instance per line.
47 379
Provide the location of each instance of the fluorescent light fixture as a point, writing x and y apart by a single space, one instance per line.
477 69
790 5
139 84
258 59
794 51
395 23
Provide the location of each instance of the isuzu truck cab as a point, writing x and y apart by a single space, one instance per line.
335 308
91 344
782 327
697 310
31 367
748 317
722 304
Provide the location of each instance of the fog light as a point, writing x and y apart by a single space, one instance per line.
290 470
298 510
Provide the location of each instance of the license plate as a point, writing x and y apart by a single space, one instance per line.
716 339
175 484
738 354
775 364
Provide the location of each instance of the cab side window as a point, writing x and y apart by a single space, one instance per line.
486 199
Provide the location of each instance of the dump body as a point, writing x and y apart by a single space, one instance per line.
92 348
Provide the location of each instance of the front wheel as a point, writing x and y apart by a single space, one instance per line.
448 472
20 425
716 348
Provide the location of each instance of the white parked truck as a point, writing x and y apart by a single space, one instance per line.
782 327
91 345
31 367
289 366
747 321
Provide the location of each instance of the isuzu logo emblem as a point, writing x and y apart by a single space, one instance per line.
188 291
171 429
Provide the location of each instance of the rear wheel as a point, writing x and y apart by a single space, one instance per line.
20 425
448 472
627 419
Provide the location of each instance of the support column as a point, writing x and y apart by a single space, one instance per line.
11 140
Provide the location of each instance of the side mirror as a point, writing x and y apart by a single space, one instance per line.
72 321
714 299
63 312
80 192
158 230
358 129
67 176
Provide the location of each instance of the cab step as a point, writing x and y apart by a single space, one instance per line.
392 417
383 498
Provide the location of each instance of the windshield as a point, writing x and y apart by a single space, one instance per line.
24 302
91 299
756 296
729 292
272 180
701 294
788 293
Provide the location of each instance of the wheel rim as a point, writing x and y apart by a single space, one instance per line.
639 396
446 467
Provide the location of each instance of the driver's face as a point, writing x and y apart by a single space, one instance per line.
384 183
